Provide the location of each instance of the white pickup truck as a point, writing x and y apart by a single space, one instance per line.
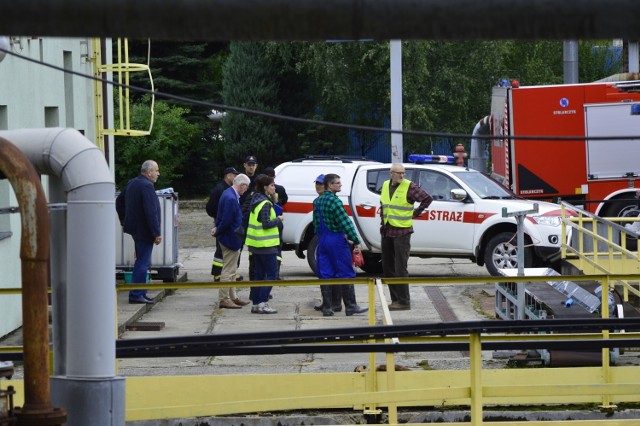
464 221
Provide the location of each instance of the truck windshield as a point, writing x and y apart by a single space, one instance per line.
484 186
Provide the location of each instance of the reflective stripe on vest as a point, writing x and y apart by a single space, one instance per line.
397 211
257 236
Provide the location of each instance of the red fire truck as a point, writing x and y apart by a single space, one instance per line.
601 173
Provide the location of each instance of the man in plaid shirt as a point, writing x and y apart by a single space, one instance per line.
333 256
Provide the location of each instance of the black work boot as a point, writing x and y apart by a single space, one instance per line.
336 298
326 300
349 297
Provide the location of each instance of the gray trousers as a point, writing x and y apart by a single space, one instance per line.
395 256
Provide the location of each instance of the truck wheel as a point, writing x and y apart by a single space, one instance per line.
372 263
502 252
622 209
311 253
625 209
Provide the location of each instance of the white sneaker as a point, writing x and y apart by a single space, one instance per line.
255 309
263 308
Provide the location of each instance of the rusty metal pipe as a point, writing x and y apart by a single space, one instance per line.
34 253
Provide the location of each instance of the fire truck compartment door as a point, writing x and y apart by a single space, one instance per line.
612 158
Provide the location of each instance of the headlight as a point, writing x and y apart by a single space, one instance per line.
547 220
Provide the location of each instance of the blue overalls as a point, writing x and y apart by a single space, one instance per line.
333 260
333 257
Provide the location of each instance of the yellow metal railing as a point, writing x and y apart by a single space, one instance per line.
599 246
121 70
371 391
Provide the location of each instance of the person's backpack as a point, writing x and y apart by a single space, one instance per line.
211 207
120 206
246 212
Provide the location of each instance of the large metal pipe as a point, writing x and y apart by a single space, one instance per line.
477 157
321 20
34 253
570 61
86 385
625 76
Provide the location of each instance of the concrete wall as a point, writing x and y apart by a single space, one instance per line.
36 96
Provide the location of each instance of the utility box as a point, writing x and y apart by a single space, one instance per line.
164 258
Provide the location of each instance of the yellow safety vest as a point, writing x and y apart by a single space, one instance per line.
396 211
257 236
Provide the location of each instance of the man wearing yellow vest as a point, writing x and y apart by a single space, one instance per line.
397 212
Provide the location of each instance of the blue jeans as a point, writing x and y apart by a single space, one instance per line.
266 269
141 266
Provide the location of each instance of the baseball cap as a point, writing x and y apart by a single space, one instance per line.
231 170
319 179
251 159
269 171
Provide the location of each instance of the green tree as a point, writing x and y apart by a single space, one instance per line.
352 85
186 69
190 70
446 87
251 81
296 95
541 62
165 145
533 62
597 60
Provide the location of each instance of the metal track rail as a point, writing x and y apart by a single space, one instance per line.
346 340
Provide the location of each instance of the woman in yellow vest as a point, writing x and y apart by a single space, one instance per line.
263 241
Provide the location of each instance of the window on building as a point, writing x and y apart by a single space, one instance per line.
4 118
51 117
5 197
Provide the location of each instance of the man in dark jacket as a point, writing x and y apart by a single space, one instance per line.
138 209
212 210
229 232
250 166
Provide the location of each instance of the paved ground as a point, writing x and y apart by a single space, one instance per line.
195 312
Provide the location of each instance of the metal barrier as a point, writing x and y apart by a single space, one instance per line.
596 245
372 391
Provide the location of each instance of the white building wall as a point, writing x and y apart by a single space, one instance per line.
35 96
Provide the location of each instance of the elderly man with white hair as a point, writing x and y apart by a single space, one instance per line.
229 232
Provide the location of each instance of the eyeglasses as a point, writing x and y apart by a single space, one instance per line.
398 173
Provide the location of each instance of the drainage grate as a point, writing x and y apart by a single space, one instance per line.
145 326
440 303
442 307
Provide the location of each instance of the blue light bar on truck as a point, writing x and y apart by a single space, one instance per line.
426 158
